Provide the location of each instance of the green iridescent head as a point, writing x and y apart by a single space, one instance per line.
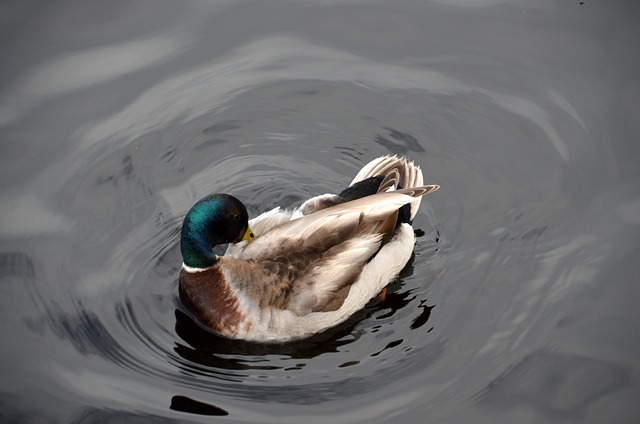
216 219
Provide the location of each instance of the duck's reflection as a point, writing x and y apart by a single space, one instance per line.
206 347
185 404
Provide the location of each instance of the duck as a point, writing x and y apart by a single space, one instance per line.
288 274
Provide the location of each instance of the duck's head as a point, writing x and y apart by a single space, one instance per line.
216 219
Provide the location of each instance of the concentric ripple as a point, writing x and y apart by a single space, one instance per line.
274 122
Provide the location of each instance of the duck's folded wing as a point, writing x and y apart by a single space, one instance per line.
325 285
331 226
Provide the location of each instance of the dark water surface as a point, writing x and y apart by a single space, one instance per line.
521 304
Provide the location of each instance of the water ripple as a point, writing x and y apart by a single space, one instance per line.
261 123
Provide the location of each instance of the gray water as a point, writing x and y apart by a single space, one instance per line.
520 305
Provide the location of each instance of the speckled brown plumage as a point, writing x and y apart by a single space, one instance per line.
275 281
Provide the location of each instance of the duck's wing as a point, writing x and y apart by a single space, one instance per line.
308 264
328 227
325 285
303 280
366 187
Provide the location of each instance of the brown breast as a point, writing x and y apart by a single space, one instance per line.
206 296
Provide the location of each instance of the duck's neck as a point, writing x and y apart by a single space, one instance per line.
197 249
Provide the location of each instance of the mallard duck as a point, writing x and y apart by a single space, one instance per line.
289 274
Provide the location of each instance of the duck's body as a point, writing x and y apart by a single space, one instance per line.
306 270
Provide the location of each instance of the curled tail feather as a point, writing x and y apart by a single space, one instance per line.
398 173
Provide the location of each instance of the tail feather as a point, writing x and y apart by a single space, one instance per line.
398 172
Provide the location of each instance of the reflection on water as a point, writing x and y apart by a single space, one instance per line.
519 305
184 404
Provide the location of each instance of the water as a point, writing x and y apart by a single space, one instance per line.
520 304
